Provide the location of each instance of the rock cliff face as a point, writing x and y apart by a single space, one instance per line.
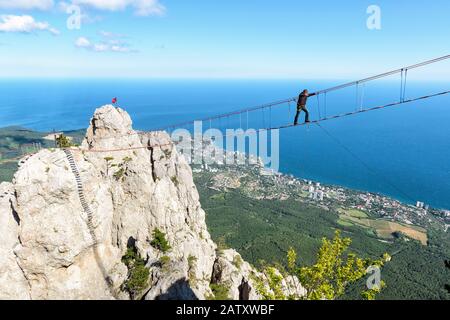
69 216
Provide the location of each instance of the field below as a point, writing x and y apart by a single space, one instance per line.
383 228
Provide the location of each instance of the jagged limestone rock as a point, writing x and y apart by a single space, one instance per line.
235 274
53 248
231 271
13 284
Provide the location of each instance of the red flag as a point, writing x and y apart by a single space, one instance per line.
114 101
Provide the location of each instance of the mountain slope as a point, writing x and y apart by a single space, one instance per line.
72 215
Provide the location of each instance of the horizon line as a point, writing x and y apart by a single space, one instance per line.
9 78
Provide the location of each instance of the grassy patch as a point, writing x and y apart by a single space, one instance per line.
237 262
219 292
218 197
384 228
164 260
354 213
344 223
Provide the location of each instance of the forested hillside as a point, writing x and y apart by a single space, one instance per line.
263 230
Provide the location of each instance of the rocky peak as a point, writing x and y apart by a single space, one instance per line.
70 216
110 127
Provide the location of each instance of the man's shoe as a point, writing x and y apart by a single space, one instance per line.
307 121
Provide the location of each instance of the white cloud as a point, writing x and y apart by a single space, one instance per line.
107 34
141 7
111 5
149 7
63 6
24 24
100 47
119 48
82 42
110 46
26 4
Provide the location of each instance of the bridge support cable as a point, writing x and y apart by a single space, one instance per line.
270 116
357 96
247 120
404 85
318 106
401 86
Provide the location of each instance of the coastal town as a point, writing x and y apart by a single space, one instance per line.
257 182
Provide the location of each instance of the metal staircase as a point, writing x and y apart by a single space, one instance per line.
81 195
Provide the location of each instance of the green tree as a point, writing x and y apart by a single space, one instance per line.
371 294
138 273
63 142
108 164
159 241
122 169
270 286
328 278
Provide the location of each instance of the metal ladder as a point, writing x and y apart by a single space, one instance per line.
81 195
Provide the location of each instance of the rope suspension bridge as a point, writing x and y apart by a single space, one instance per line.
322 114
243 115
358 84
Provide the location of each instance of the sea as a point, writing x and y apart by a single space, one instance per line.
402 151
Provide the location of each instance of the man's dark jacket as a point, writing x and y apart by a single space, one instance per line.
303 98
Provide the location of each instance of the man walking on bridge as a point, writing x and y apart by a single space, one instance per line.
301 105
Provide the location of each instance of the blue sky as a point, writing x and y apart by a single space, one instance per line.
219 39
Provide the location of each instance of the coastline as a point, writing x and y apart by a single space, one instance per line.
45 140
